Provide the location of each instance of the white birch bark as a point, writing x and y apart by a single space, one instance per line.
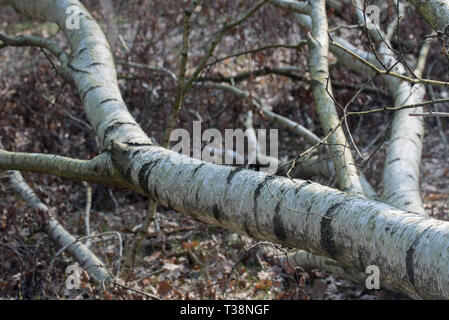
339 148
436 12
307 260
93 70
292 5
411 251
402 163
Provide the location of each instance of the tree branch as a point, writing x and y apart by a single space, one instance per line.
59 235
99 170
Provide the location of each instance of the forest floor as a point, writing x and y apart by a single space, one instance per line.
180 258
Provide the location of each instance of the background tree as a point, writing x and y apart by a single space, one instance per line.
316 102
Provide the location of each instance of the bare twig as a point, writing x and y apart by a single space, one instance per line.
87 211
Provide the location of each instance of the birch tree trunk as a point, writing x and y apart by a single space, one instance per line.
436 12
411 251
402 164
340 151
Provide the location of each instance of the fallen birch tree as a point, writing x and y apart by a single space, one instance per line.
410 249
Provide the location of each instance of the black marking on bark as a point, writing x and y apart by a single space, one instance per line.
302 186
135 153
217 213
279 229
256 196
88 90
144 174
115 126
394 160
327 233
81 51
138 144
105 101
93 64
53 229
394 229
391 195
91 46
229 179
309 209
195 171
410 267
98 124
232 174
111 122
77 69
197 194
407 203
260 186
